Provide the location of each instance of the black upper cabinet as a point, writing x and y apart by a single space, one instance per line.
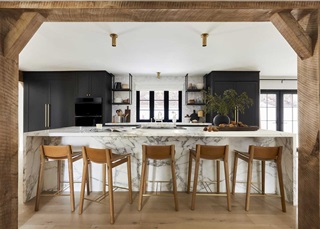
91 84
241 81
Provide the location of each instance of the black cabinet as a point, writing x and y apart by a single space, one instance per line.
241 81
48 100
91 83
49 97
96 84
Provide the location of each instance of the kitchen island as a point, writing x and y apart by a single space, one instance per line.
130 139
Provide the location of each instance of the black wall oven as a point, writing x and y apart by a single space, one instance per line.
88 111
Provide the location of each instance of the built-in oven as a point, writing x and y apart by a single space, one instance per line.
88 111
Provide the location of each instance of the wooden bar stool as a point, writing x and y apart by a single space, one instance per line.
218 153
263 154
58 153
157 152
109 161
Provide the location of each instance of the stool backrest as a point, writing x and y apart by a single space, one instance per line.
96 155
212 152
265 152
158 151
56 152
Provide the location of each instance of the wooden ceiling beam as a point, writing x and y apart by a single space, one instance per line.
21 33
272 5
292 31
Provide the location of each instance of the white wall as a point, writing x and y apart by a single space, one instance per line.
278 84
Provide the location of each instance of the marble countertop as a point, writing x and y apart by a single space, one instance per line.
158 123
134 131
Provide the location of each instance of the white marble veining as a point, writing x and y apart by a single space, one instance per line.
130 139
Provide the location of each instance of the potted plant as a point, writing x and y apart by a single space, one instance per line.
229 103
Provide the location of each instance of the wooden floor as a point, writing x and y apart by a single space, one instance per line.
158 213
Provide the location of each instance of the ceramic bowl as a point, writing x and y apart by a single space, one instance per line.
117 100
125 86
199 86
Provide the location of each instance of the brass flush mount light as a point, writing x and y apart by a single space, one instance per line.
158 75
114 39
204 39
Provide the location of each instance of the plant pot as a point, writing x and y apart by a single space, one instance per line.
220 119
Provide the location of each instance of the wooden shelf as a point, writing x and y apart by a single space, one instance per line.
120 103
121 89
194 90
196 104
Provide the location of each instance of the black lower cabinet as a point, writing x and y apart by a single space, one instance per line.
241 81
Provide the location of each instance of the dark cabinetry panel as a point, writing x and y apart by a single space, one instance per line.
35 109
49 97
92 84
241 81
62 96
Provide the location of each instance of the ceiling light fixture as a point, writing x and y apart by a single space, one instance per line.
114 39
204 39
158 75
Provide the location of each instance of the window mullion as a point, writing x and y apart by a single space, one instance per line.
152 105
166 106
280 122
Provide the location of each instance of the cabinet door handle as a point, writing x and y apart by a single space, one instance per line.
48 116
45 115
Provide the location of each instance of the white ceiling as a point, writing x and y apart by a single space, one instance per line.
172 48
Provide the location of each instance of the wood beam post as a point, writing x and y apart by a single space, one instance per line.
309 126
292 31
21 33
8 142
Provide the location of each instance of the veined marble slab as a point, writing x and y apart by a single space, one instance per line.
129 139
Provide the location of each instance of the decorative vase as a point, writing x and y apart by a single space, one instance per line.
220 119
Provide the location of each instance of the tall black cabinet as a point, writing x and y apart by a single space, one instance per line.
49 97
241 81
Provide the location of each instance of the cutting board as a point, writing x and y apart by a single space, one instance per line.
127 114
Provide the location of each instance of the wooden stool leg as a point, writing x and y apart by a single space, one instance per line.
174 182
129 179
88 180
234 177
226 174
110 189
189 173
281 186
249 178
142 184
146 173
104 178
195 184
70 169
40 182
58 175
263 171
83 184
218 176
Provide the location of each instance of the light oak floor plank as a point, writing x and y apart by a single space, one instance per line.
158 213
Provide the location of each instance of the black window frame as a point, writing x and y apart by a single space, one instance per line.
151 106
279 110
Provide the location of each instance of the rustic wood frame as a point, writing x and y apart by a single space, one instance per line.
297 21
